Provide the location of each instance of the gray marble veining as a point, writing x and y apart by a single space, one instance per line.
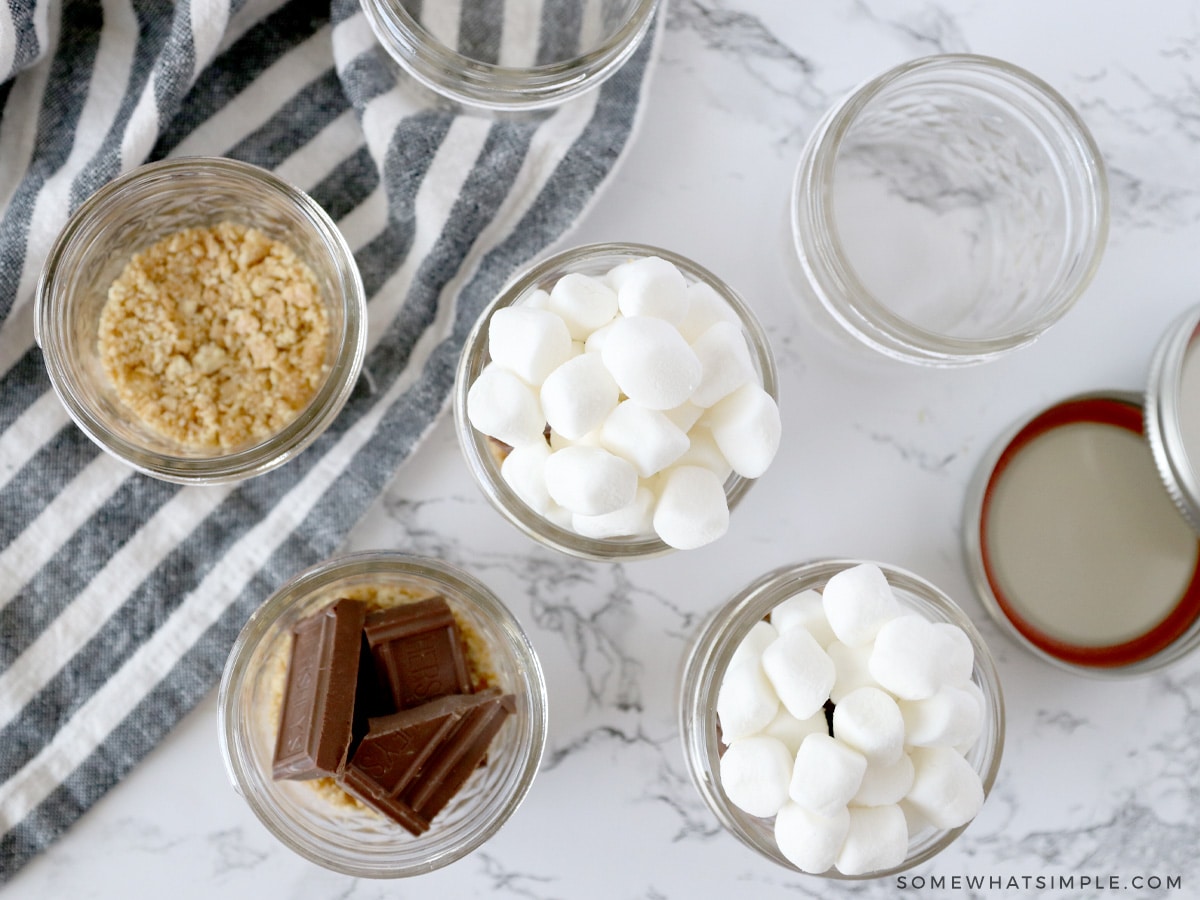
1099 778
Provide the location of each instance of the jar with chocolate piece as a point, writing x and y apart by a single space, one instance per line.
382 714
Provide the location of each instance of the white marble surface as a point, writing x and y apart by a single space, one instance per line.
1098 778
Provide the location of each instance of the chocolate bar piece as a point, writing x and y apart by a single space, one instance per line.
393 752
460 754
418 652
318 698
411 763
373 698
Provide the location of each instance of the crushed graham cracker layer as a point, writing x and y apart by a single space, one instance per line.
216 336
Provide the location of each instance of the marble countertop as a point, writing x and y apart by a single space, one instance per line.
1099 778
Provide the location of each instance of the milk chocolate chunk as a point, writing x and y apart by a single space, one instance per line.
459 754
372 698
318 698
418 652
394 751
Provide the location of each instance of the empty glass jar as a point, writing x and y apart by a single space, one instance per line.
950 210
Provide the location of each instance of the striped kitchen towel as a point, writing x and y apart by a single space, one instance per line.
121 595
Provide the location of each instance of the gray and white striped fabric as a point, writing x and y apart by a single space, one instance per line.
121 595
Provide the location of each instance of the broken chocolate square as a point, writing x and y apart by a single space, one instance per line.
318 698
417 652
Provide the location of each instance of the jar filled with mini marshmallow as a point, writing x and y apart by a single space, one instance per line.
842 718
616 401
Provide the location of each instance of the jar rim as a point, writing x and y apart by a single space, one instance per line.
491 86
51 326
834 280
474 446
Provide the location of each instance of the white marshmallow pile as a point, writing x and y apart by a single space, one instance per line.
647 385
849 792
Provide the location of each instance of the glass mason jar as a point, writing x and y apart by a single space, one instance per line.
498 58
706 662
595 260
346 837
949 210
140 208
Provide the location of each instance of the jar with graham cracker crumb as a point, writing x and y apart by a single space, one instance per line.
201 319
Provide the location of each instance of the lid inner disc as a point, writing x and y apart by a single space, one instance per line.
1084 550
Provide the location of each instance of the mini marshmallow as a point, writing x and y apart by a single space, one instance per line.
578 396
529 342
792 731
884 785
524 470
503 406
946 788
911 658
645 437
857 602
809 841
584 303
594 342
692 510
650 362
876 839
650 286
851 666
755 773
869 720
724 361
559 516
703 451
590 481
637 518
915 821
826 775
804 610
558 441
960 653
800 671
537 299
704 309
977 692
746 702
751 647
746 427
950 718
685 415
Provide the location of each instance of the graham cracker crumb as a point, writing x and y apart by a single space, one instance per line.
215 336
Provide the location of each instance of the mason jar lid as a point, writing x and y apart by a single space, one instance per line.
1173 413
1073 543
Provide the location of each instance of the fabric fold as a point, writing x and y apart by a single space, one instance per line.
119 595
